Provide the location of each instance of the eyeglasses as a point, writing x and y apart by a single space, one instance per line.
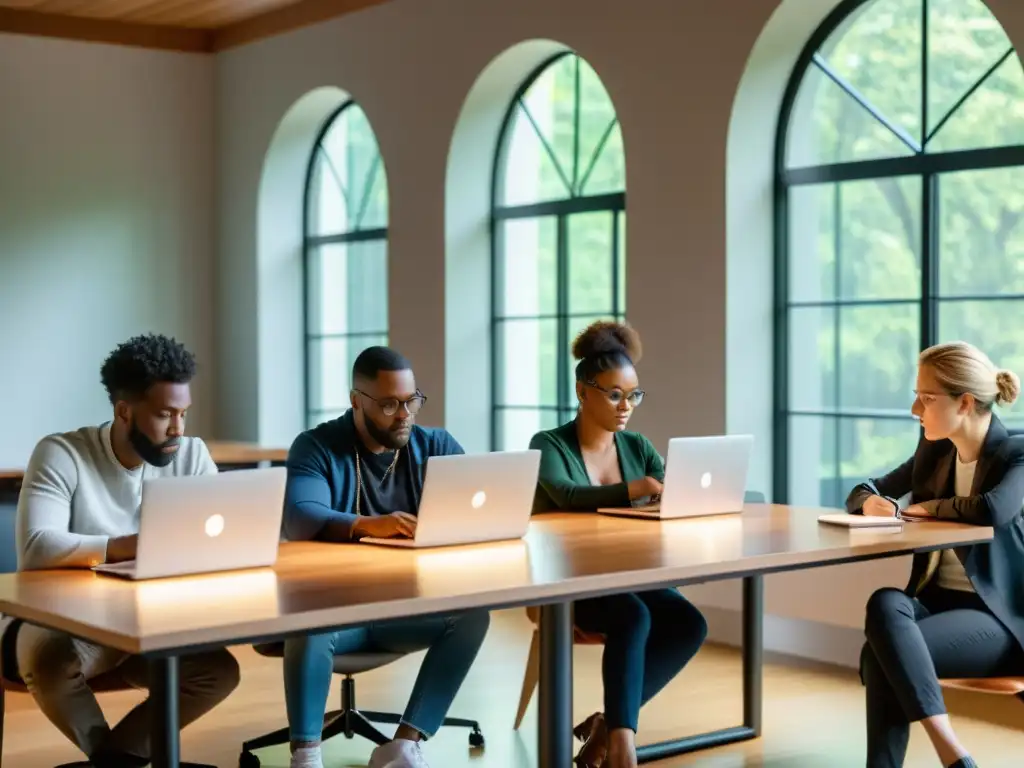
615 396
389 406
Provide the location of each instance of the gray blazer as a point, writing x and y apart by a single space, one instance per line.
995 569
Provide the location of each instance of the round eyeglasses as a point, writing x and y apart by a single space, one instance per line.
389 405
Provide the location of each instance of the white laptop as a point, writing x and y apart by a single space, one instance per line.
206 523
703 476
469 499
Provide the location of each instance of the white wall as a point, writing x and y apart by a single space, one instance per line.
106 224
697 86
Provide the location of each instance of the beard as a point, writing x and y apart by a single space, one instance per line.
150 452
392 438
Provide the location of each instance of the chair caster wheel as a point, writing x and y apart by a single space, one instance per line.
476 739
248 760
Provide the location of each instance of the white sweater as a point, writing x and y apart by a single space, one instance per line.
76 495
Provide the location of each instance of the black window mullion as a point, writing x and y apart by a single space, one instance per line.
929 259
562 310
837 250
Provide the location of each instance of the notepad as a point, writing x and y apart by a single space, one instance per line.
859 521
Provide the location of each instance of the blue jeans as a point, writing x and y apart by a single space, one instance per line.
649 637
452 644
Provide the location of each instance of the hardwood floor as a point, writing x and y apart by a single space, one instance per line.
813 715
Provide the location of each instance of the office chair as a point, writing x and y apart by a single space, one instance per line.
12 682
532 674
348 720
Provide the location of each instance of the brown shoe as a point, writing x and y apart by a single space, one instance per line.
594 734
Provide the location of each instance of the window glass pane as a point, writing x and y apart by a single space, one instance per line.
964 41
812 358
529 174
991 117
812 241
829 126
877 50
551 101
517 426
591 272
330 369
607 173
347 290
871 447
528 266
878 348
597 121
527 357
981 233
348 188
879 235
812 461
996 327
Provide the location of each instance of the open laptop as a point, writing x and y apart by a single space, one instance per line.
703 476
206 523
469 499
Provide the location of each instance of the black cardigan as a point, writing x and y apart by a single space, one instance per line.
995 569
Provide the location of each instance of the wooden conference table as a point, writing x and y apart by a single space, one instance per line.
563 557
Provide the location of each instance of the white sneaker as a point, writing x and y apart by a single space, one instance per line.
400 753
307 757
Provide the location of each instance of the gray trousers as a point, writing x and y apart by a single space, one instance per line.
57 669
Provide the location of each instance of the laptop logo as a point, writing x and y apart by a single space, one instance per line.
705 480
479 499
214 526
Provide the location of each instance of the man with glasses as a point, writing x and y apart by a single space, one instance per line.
358 476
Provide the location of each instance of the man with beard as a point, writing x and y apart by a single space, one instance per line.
79 507
358 476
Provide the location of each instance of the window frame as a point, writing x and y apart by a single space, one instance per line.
922 165
312 242
613 203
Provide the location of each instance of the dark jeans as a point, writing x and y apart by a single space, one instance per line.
911 644
452 644
649 638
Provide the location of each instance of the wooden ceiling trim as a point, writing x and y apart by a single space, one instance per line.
22 22
285 19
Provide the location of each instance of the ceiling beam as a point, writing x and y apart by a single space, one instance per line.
165 37
23 22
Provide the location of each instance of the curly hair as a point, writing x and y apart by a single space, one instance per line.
143 361
605 346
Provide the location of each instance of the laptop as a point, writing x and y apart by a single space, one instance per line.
206 523
703 476
469 499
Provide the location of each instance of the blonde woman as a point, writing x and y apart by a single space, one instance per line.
962 612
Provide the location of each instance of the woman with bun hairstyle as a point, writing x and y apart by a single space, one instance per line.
592 462
962 613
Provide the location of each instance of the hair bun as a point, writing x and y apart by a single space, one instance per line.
1008 384
605 337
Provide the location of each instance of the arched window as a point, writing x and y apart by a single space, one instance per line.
900 204
558 235
346 246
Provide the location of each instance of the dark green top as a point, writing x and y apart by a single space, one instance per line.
564 483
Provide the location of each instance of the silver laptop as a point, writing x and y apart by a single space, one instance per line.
469 499
206 523
703 476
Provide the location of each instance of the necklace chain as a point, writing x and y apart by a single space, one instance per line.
359 477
